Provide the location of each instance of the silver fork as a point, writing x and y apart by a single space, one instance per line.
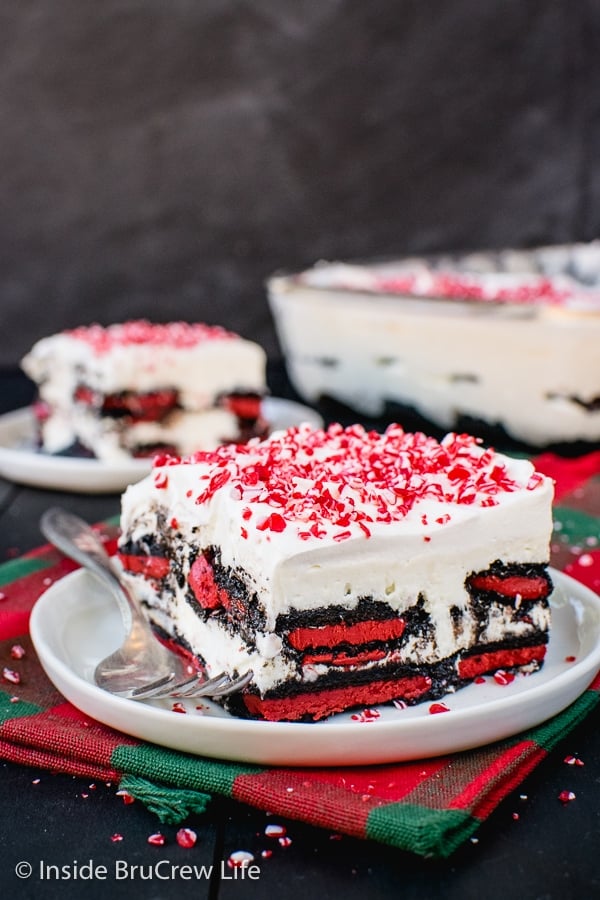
142 668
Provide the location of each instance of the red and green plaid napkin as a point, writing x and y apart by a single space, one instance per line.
428 807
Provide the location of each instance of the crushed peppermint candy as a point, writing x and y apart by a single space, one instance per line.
452 284
275 831
157 839
573 761
174 334
503 678
17 651
436 708
366 715
566 796
186 837
11 676
239 859
586 560
341 482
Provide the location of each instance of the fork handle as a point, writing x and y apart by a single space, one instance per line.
76 539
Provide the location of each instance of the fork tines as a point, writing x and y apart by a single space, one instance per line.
220 685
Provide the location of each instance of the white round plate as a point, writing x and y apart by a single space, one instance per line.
75 623
21 462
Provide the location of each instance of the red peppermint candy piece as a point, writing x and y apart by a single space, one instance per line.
275 831
503 678
186 837
239 859
157 839
274 522
438 708
11 676
573 761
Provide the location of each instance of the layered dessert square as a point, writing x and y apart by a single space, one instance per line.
134 388
344 567
503 344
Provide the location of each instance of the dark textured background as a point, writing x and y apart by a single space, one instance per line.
161 158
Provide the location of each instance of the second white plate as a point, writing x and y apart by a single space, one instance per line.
76 623
21 462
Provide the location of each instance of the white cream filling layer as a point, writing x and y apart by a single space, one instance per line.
223 651
112 442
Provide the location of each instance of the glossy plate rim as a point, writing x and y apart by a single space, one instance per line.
489 714
22 463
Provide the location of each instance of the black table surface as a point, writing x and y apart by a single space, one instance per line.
533 847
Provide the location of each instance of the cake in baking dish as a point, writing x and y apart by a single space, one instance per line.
344 567
134 388
502 344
